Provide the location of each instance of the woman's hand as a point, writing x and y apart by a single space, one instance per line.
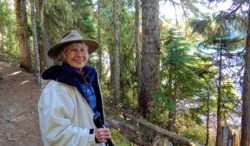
102 134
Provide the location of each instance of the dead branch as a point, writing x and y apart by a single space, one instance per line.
127 131
170 135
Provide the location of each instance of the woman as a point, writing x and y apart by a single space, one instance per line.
71 96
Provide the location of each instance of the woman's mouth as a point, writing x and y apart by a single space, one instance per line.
78 61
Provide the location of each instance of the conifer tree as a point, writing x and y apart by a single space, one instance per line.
150 55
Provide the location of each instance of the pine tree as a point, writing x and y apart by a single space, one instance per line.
23 34
150 55
245 132
117 49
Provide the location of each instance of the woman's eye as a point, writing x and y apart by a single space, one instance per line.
73 50
84 50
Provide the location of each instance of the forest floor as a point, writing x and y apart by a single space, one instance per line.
19 95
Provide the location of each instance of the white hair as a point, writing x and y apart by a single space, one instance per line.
61 56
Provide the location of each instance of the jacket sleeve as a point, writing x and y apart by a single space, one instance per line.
56 111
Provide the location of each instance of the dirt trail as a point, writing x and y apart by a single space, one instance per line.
19 94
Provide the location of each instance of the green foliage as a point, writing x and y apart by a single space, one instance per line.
87 23
164 102
64 15
8 43
60 11
196 133
220 28
223 35
118 139
193 131
180 73
190 69
195 114
5 15
129 86
202 25
228 40
178 67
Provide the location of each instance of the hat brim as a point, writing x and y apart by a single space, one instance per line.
57 48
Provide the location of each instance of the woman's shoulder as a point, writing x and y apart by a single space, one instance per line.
49 83
56 94
57 90
55 85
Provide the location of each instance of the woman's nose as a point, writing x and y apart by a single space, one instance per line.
79 52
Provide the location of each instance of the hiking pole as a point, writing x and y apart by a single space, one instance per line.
99 124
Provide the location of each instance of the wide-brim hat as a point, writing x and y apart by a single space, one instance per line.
69 37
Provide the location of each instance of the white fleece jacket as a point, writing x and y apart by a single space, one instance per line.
65 117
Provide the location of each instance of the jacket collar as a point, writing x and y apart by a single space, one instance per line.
66 74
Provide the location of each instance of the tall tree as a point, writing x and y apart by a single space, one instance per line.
137 41
220 33
219 101
8 49
208 112
208 93
47 62
116 23
150 55
23 34
245 129
99 51
54 21
35 42
178 73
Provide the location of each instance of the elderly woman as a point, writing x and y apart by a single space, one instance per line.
71 96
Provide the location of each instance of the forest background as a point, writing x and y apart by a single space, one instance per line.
182 81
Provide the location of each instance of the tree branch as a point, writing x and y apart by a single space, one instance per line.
170 135
127 131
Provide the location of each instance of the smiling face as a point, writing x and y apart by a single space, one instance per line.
76 55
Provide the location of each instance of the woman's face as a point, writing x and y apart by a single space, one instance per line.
76 55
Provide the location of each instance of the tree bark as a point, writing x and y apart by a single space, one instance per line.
99 51
170 135
208 113
150 55
174 94
117 48
245 130
219 102
128 131
35 42
47 62
23 35
2 56
137 41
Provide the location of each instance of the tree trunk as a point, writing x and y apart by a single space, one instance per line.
99 51
47 62
23 35
2 58
208 112
150 55
137 41
35 44
245 130
128 131
117 48
173 137
139 137
219 114
172 114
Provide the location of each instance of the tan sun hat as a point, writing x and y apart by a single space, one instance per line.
72 36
